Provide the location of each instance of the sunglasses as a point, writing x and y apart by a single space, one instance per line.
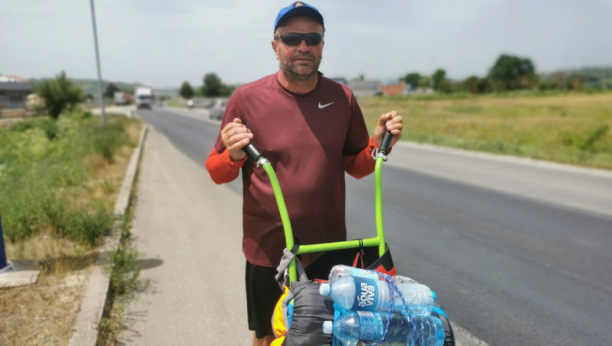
294 39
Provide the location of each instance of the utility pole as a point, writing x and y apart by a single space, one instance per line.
93 19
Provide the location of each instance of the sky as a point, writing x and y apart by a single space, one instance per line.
163 43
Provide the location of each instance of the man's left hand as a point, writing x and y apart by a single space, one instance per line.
388 122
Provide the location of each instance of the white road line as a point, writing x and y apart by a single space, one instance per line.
464 338
507 158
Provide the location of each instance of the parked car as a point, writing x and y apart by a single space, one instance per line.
218 109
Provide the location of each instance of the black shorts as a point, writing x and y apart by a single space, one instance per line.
263 293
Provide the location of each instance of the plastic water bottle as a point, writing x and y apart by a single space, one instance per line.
419 299
366 294
340 270
398 279
358 293
364 327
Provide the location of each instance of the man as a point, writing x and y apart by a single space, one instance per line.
312 131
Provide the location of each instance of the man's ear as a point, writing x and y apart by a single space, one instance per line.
275 51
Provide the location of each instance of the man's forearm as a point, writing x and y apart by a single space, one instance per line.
362 164
221 167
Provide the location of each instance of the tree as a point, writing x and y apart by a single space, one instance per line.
476 85
412 79
186 91
511 72
110 90
212 85
438 81
58 94
424 82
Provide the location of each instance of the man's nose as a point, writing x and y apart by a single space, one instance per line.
303 47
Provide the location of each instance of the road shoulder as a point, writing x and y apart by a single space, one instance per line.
191 228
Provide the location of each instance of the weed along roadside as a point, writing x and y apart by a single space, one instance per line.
114 276
59 180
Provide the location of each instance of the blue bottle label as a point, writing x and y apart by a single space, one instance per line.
356 272
370 328
366 294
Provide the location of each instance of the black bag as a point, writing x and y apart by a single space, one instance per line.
310 310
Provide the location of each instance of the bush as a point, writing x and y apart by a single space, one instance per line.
44 177
85 226
21 210
47 125
107 139
58 94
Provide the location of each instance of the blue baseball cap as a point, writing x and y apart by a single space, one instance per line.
298 8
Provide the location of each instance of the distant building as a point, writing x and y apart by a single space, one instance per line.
5 78
14 92
394 89
364 87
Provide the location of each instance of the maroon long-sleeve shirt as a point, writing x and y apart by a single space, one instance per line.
310 140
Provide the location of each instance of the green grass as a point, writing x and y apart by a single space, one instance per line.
45 169
572 128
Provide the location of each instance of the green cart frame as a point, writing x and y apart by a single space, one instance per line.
381 156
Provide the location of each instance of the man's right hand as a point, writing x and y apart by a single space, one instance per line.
235 136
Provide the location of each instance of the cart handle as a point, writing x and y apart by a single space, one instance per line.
252 152
386 142
257 157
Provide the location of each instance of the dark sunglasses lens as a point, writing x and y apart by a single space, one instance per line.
313 39
291 39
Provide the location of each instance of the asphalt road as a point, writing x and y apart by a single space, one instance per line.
514 262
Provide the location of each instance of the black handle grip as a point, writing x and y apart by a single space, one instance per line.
386 142
252 152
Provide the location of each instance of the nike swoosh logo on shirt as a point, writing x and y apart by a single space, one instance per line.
323 106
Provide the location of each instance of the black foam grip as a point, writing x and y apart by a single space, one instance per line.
252 152
386 142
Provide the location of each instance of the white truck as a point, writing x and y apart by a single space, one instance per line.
144 97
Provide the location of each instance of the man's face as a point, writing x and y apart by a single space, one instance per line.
302 61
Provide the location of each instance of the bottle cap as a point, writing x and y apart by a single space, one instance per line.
327 327
325 289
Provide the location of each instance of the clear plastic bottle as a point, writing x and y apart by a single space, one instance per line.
358 293
419 299
366 294
340 270
367 328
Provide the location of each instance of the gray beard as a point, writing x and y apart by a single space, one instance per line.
291 73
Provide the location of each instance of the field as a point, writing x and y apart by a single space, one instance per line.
573 128
58 184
